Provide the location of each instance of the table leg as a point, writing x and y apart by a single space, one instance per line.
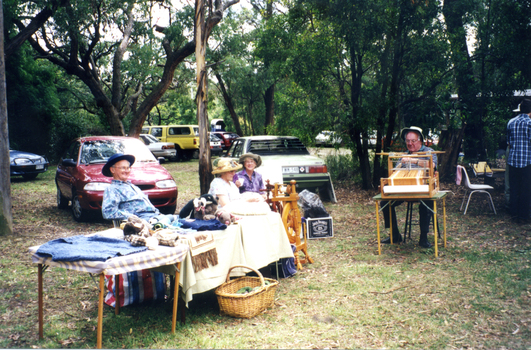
41 317
117 294
391 223
175 296
444 220
100 311
435 226
378 229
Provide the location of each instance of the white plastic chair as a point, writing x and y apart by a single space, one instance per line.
471 188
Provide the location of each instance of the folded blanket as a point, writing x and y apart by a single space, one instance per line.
203 250
203 225
94 248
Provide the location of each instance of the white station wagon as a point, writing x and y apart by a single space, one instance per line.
285 158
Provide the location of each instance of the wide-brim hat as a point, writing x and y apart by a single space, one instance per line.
524 107
222 165
414 129
257 159
115 158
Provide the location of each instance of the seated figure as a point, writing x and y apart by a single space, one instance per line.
122 199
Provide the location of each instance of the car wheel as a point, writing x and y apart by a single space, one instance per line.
62 201
326 194
168 210
78 212
28 177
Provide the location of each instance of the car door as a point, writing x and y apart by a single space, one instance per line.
67 166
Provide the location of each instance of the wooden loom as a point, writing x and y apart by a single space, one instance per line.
409 181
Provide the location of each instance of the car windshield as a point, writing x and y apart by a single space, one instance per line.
150 138
99 151
277 146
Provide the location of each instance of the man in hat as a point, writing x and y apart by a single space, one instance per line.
248 180
122 199
519 163
414 140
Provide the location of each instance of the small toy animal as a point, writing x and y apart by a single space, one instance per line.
204 210
188 211
225 217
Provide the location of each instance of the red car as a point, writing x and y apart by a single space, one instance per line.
227 137
79 179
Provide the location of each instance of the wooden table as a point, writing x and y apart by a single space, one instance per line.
162 256
441 195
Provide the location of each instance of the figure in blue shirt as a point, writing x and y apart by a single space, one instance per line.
248 180
519 163
123 199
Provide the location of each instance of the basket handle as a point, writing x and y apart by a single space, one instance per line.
262 282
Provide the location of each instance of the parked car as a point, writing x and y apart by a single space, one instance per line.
79 179
185 137
227 137
25 164
159 149
285 158
215 145
328 138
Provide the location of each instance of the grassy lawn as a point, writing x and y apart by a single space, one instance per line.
476 294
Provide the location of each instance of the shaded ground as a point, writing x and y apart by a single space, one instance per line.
350 297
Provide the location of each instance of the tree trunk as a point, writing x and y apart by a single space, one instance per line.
205 167
454 11
450 140
6 215
269 100
230 106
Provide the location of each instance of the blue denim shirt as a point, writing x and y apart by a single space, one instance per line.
123 199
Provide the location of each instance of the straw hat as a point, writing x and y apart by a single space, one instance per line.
115 158
414 129
257 159
222 165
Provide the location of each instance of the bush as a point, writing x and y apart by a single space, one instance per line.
343 168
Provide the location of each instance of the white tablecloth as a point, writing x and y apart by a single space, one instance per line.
255 241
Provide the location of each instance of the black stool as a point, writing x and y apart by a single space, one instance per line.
409 220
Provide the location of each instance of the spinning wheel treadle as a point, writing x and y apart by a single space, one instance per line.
285 203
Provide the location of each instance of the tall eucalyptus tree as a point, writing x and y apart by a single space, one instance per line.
112 46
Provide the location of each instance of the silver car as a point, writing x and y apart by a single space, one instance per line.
159 149
285 158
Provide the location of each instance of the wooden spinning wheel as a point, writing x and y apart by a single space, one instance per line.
285 203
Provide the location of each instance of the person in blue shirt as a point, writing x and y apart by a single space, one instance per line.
414 140
122 199
249 180
519 163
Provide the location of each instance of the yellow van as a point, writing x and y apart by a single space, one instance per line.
185 137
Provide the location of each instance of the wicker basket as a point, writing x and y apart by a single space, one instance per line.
246 305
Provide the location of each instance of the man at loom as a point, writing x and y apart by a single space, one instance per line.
414 140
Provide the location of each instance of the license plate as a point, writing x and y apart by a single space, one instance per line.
293 170
39 166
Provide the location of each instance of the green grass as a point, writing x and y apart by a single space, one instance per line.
476 294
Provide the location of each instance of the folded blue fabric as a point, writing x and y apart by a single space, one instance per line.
94 248
202 225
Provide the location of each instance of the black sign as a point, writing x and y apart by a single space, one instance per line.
320 228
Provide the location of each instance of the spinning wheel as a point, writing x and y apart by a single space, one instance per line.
285 203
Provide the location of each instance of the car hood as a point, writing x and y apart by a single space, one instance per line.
141 173
22 154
